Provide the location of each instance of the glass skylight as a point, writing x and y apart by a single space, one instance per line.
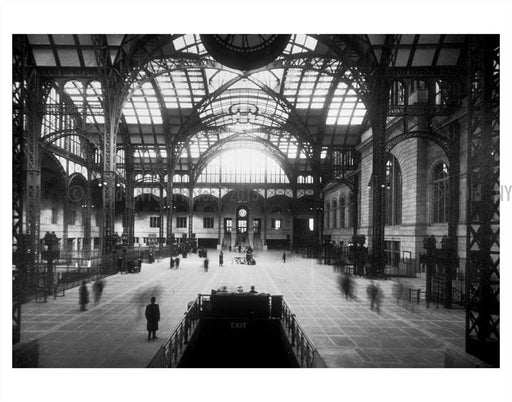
306 89
244 107
93 98
300 43
143 106
182 89
189 43
217 78
346 107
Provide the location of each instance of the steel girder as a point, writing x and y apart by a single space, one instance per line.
19 78
20 51
129 200
88 203
380 85
483 243
114 88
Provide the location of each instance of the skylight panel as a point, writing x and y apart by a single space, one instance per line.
308 89
189 43
346 107
301 43
217 78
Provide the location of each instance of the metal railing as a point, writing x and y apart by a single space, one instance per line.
303 348
170 353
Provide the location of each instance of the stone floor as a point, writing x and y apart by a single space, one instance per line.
346 332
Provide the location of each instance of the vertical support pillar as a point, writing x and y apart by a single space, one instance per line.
33 160
219 209
190 211
86 211
265 217
379 107
129 203
170 207
161 215
219 219
483 249
293 207
355 205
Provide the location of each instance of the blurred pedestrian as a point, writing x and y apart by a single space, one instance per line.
206 262
371 292
97 289
284 256
177 262
152 317
347 286
83 296
397 291
379 297
221 259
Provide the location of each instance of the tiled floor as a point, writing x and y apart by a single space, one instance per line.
346 333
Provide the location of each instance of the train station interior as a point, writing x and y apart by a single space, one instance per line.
322 202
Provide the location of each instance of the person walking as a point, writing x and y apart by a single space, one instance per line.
83 296
221 259
177 262
284 256
206 262
373 294
97 289
152 317
346 286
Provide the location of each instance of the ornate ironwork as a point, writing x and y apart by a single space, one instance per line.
483 244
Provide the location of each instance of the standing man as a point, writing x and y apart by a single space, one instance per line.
177 262
284 256
152 317
83 296
221 259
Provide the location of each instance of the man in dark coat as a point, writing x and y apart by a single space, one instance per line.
221 259
152 317
83 296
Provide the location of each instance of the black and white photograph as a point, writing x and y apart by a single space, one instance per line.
281 202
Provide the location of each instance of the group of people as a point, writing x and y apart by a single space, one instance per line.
83 293
175 263
373 292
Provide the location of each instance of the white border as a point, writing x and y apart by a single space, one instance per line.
102 16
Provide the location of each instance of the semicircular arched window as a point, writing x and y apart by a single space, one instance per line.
393 192
440 193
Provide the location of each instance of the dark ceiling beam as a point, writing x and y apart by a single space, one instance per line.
440 72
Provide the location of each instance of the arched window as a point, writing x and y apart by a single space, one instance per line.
393 192
342 213
440 193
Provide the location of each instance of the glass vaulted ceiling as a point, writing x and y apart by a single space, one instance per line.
277 105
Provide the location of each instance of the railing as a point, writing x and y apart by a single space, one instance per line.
304 350
171 351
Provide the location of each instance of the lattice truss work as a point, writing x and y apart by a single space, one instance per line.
483 244
18 144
